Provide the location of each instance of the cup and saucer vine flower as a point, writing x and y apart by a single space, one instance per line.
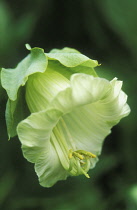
61 111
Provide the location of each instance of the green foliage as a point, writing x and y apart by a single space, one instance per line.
104 30
121 17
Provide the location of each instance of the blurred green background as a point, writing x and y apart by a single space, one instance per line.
105 30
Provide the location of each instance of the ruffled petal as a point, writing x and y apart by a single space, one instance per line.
61 140
34 134
91 107
85 89
88 89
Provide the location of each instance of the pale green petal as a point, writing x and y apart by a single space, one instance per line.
91 107
34 134
49 168
88 89
42 88
84 89
87 128
114 107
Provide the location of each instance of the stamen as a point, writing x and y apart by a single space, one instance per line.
78 155
82 159
89 154
70 155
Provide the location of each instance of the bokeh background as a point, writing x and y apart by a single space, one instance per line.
105 30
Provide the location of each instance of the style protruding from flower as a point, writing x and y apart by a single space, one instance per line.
61 111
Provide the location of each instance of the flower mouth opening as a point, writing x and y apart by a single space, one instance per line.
75 161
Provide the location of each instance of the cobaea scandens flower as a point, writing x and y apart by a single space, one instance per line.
70 111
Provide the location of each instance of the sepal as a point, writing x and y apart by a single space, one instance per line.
13 79
74 60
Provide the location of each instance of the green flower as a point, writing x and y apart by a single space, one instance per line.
70 111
